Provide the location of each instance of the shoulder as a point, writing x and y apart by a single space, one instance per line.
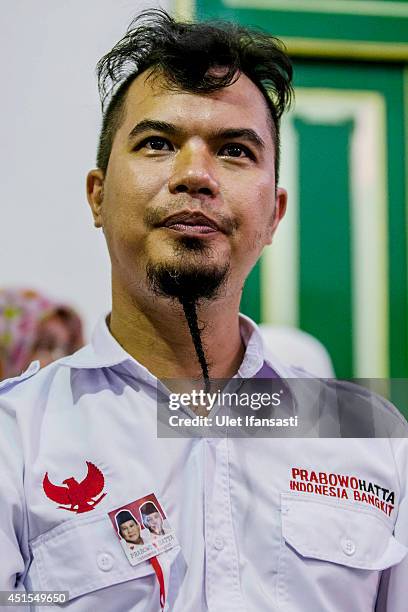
352 410
9 383
35 377
356 402
31 379
21 392
35 384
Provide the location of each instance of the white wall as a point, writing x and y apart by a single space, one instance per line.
49 123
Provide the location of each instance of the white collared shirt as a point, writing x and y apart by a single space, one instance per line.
249 541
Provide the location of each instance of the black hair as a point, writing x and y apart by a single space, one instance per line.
123 516
190 312
189 287
148 508
184 53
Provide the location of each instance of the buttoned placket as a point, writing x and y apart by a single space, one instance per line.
222 580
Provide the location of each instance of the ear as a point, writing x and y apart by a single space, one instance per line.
94 192
278 213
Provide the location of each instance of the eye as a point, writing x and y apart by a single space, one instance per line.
235 150
155 143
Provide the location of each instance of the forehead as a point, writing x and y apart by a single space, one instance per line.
239 105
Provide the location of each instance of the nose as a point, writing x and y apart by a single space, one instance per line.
193 173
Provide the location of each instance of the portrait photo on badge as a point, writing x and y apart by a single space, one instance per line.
129 528
143 529
154 518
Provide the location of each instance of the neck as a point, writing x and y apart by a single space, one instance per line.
155 332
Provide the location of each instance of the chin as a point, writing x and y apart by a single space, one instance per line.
187 278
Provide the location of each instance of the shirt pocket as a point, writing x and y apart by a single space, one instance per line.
85 558
332 554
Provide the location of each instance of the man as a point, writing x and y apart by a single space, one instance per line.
152 519
186 194
128 528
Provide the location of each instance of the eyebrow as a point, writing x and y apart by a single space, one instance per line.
152 124
242 133
172 130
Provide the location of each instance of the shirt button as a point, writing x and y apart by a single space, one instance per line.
219 543
105 562
349 548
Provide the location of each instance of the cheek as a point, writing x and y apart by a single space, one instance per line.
128 186
122 220
255 226
130 191
129 178
254 198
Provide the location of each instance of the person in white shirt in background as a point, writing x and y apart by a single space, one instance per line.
294 346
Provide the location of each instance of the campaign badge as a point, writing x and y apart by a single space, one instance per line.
143 529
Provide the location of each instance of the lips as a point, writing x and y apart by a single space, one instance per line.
187 221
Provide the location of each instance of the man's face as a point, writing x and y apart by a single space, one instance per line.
190 182
154 522
130 531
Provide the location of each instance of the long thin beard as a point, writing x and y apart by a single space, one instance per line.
190 312
189 287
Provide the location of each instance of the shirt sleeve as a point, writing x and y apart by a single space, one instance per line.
13 522
392 594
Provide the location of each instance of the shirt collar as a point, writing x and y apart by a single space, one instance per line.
104 351
254 351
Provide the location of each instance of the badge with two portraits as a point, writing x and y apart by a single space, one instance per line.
143 529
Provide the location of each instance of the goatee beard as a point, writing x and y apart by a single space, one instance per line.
189 286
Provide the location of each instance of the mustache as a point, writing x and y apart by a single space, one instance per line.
155 216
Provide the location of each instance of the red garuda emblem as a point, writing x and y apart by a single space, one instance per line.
77 496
